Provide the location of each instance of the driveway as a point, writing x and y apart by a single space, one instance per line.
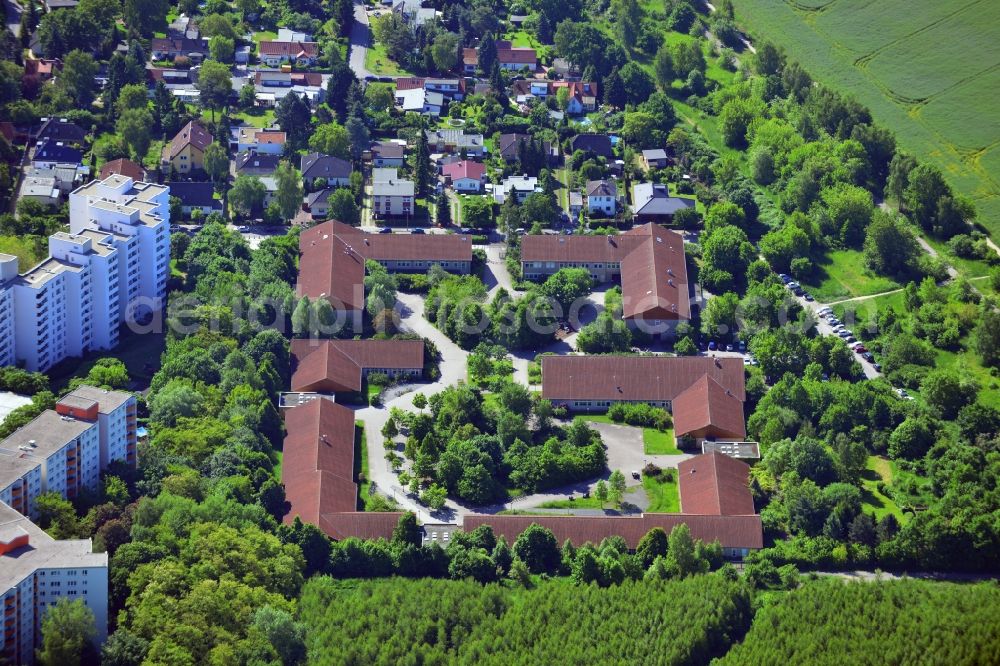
496 275
625 449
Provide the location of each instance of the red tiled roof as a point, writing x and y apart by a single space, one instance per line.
337 365
729 531
409 83
518 56
653 266
123 167
265 137
192 133
289 49
636 378
464 169
707 407
715 484
470 57
318 473
333 258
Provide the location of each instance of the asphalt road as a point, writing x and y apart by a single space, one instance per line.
360 40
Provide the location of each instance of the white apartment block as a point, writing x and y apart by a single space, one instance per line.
35 572
137 215
110 268
64 450
8 273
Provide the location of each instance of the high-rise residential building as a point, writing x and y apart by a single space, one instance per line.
64 450
137 215
110 268
35 572
8 273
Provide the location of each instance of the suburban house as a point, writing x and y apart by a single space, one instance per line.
288 35
455 141
168 49
333 171
317 203
261 141
252 163
413 12
333 255
449 88
517 186
651 202
38 71
465 176
38 182
716 505
575 204
418 100
392 196
705 394
272 87
602 198
318 473
655 158
582 95
302 54
508 57
179 82
509 148
195 196
597 144
387 154
648 259
341 366
62 130
123 167
186 151
49 153
41 189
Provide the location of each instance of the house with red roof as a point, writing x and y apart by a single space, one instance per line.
704 394
274 53
465 176
123 167
508 57
341 366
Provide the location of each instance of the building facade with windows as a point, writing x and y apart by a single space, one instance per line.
36 571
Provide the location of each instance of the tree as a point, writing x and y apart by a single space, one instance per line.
341 78
222 48
681 560
77 78
135 126
637 82
359 136
988 334
443 210
444 51
487 53
341 206
421 164
727 252
217 24
247 194
628 21
124 648
285 635
537 548
567 285
477 212
652 545
601 492
331 139
290 191
68 633
616 487
407 530
948 392
215 83
132 96
663 66
434 496
144 17
293 116
216 161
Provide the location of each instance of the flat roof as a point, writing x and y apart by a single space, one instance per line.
42 551
107 400
49 432
45 271
11 401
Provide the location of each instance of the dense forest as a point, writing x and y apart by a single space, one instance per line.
650 622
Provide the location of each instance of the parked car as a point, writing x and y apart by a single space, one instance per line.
742 346
418 231
877 366
868 356
729 348
747 361
806 295
712 346
636 475
844 333
860 348
520 231
793 285
824 311
385 230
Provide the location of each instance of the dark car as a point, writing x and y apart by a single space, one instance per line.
385 230
386 79
868 356
806 295
418 231
877 366
712 346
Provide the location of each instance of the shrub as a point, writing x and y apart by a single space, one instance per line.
640 414
413 283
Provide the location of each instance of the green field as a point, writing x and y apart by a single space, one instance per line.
378 62
662 493
928 70
879 469
655 442
842 274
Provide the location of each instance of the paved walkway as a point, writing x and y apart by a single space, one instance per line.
360 40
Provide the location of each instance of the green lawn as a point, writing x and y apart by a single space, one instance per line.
361 461
140 354
279 457
657 443
879 469
264 36
257 117
663 494
378 62
373 391
842 274
576 503
930 98
523 39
